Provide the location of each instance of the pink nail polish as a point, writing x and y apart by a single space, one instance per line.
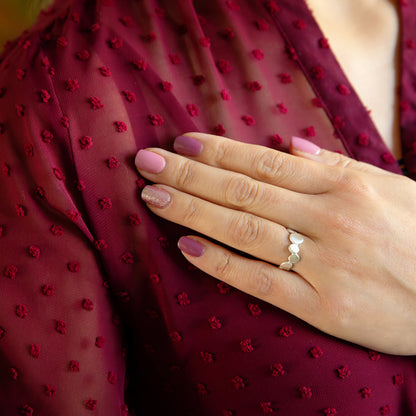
305 146
149 161
187 146
156 196
192 247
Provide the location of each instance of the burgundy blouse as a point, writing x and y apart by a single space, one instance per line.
100 314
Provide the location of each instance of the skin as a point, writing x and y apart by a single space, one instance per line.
356 277
364 36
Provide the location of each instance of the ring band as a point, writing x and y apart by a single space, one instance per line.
296 240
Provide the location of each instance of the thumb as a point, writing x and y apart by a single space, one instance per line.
308 150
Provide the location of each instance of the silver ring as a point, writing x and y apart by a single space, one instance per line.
296 240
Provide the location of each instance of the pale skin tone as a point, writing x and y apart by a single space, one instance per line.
364 36
356 278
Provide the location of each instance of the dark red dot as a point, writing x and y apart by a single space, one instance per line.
34 350
48 290
21 311
246 345
50 390
74 366
305 392
112 377
60 326
277 369
99 342
10 271
91 404
88 304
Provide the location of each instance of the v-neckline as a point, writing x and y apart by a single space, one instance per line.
351 120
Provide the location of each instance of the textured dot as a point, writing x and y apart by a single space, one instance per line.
254 86
208 357
48 290
315 352
224 67
50 390
305 392
286 331
88 304
91 404
60 327
74 366
26 410
254 309
34 350
398 379
183 299
365 392
277 370
385 410
175 336
99 342
343 372
10 271
105 71
266 407
21 311
246 345
56 230
112 377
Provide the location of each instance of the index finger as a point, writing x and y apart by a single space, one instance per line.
259 162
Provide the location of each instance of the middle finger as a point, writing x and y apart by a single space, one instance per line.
229 189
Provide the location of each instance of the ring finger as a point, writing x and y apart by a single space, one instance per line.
243 231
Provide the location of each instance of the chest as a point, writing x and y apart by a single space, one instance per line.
364 36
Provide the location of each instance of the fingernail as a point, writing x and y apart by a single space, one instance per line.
192 247
187 146
149 161
305 146
156 196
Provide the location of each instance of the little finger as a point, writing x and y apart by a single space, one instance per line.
286 290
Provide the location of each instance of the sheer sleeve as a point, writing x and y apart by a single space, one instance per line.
60 339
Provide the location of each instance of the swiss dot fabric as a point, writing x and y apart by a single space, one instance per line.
99 312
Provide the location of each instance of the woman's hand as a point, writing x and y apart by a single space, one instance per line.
357 275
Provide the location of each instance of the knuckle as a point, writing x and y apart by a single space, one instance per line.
244 230
339 160
191 212
269 164
241 191
185 173
223 267
222 153
353 182
261 281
